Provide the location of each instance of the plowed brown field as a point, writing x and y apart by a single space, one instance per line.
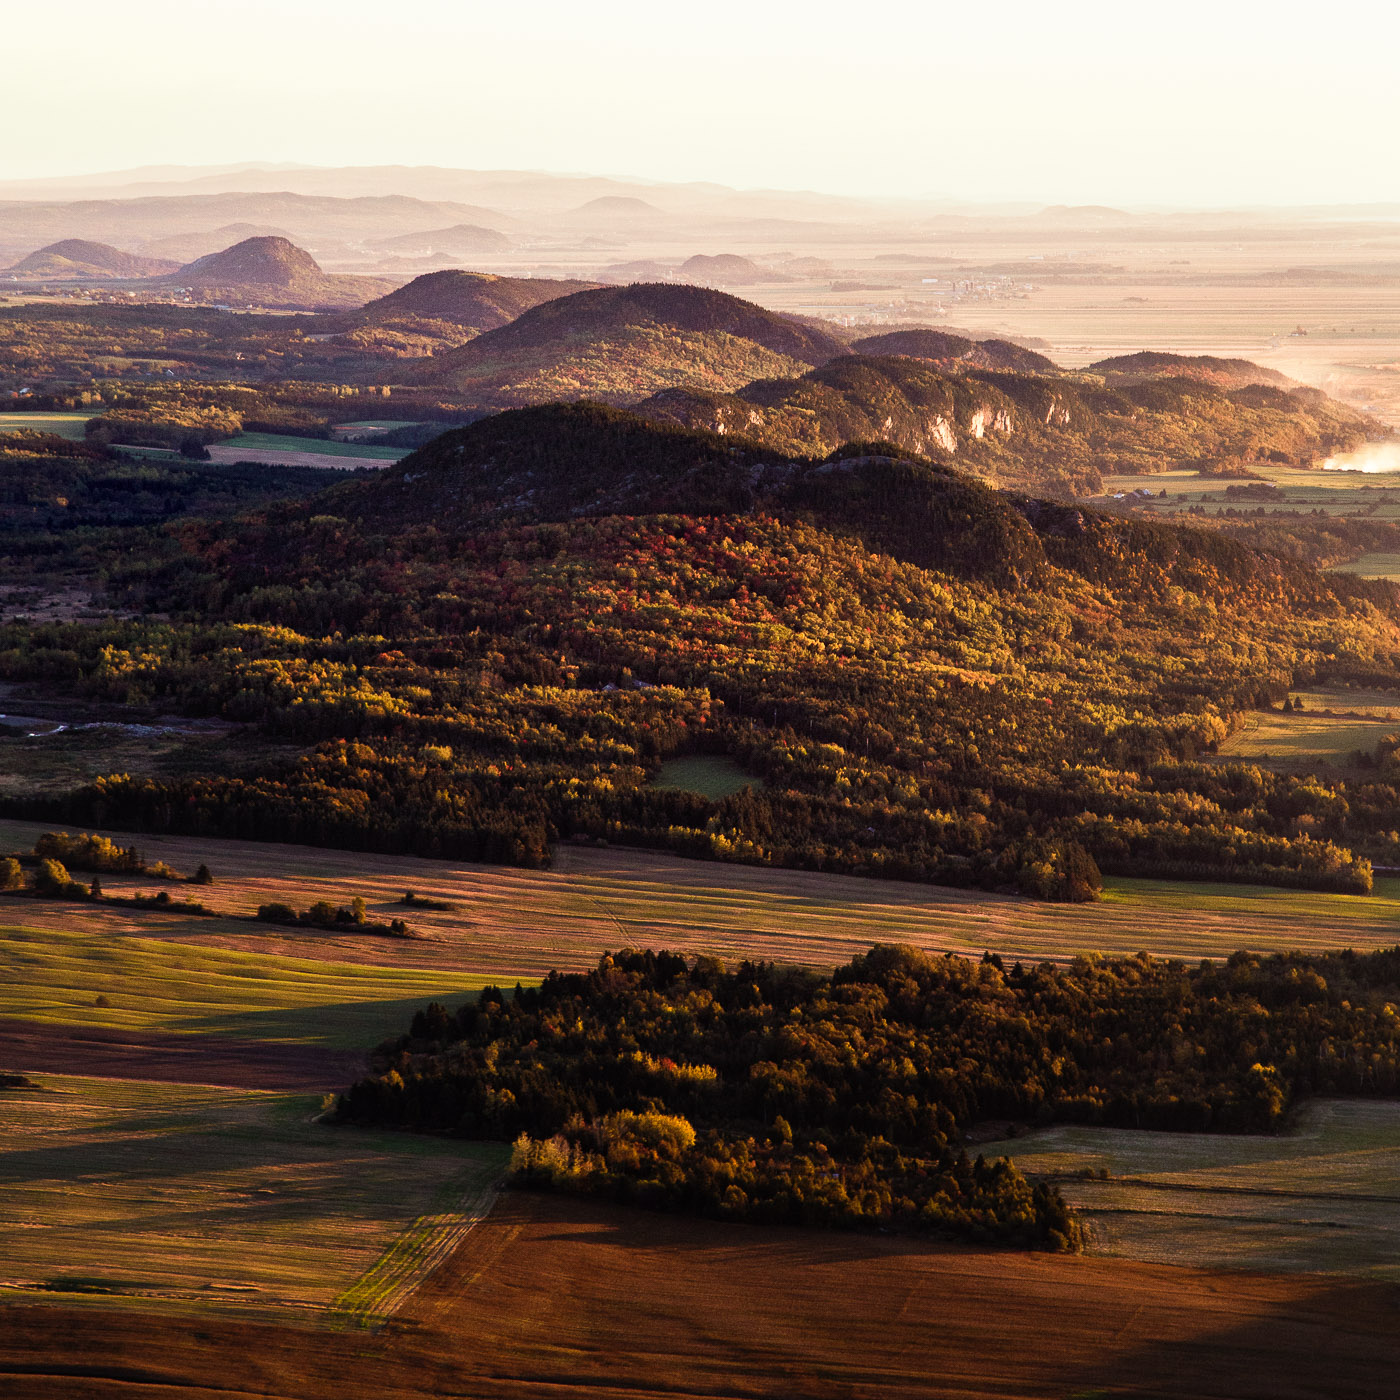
550 1297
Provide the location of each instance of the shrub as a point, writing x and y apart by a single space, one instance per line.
52 878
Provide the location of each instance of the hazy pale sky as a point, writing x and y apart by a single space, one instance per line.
1209 102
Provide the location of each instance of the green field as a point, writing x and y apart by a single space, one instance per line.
1333 726
1382 565
278 442
61 761
64 425
710 776
223 1198
52 975
1374 495
384 423
1322 1198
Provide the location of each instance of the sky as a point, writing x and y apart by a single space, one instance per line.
1195 104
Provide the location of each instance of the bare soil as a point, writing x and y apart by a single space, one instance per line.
571 1299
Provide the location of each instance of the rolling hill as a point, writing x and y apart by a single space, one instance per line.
1205 369
620 344
459 241
272 272
476 299
79 258
728 270
186 247
620 207
946 347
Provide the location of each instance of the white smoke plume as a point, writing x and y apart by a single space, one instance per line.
1373 457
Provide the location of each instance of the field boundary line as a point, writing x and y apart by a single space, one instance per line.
1267 1192
388 1283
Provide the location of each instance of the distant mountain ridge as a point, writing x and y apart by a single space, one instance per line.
460 240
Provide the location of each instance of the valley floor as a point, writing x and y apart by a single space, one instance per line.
160 1237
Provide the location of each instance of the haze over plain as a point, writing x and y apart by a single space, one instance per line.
793 539
1217 104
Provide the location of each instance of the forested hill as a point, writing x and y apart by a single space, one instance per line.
476 299
1041 431
493 646
1205 369
945 347
561 461
272 272
80 257
622 343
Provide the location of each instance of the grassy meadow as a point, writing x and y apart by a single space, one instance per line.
1384 565
59 762
1334 725
64 425
322 447
223 1198
1372 494
55 976
712 776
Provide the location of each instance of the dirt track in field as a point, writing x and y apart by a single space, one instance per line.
30 1047
573 1299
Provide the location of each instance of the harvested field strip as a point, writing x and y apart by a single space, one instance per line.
219 1197
34 1047
508 924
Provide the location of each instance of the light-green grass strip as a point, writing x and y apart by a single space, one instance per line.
390 1281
